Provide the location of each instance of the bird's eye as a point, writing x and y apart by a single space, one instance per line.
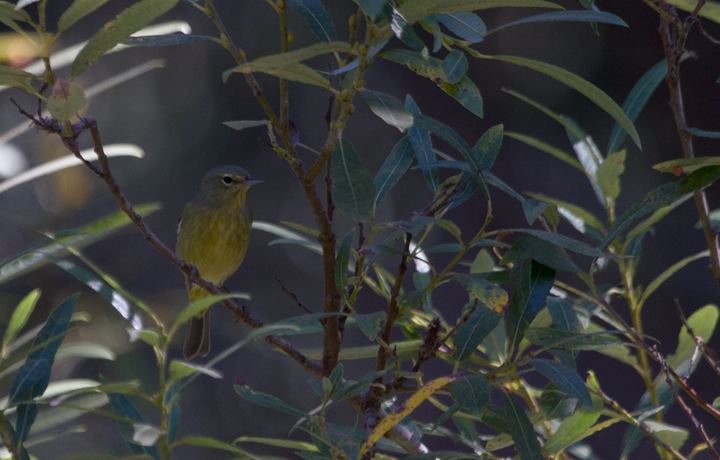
227 179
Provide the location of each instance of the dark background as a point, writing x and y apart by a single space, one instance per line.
175 115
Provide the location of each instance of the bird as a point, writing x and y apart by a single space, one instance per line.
212 235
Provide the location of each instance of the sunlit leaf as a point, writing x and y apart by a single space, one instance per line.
76 11
490 294
19 318
686 165
67 99
389 109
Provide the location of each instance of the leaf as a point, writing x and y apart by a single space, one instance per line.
422 145
564 377
278 442
316 17
488 146
467 26
686 165
243 124
547 148
34 375
8 11
403 411
26 414
521 430
394 167
560 339
19 318
703 323
10 76
583 220
447 134
455 66
370 324
563 241
668 272
701 133
371 7
556 403
116 31
563 314
197 306
67 99
577 425
341 263
546 253
164 40
472 392
533 208
638 97
23 3
353 189
609 172
490 294
269 401
293 72
573 15
76 11
389 109
471 334
661 196
204 441
465 91
531 283
581 85
710 11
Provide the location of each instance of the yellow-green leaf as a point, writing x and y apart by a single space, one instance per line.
66 100
609 172
19 319
686 165
78 10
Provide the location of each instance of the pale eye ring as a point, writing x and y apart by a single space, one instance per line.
227 180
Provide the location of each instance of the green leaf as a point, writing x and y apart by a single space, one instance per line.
243 124
575 426
568 340
116 31
370 324
165 40
293 72
573 16
472 392
269 401
546 253
703 323
563 241
204 441
547 148
394 167
533 208
609 172
521 430
10 76
447 134
489 294
668 272
563 314
467 26
180 369
466 93
556 403
584 87
710 10
686 165
422 145
488 146
341 263
471 334
371 7
564 377
316 17
580 218
531 283
701 133
76 11
455 66
34 375
353 189
389 109
8 11
19 318
67 99
197 306
662 196
638 97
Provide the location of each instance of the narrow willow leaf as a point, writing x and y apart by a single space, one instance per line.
164 40
467 26
533 208
702 133
422 145
266 400
389 109
531 283
710 10
580 218
573 16
414 10
564 377
19 318
370 324
637 98
661 196
23 3
10 76
581 85
577 425
353 189
609 172
563 241
557 403
8 11
432 23
686 165
567 340
34 375
464 91
703 323
341 263
547 148
488 146
316 17
521 430
293 71
405 32
547 253
471 334
243 124
67 99
118 30
455 66
472 392
302 54
447 134
26 414
278 442
199 305
668 272
76 11
563 314
394 167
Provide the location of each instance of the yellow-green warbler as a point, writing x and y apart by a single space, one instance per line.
212 235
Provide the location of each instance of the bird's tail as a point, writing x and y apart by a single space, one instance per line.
197 338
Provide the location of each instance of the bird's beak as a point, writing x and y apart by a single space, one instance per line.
250 181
